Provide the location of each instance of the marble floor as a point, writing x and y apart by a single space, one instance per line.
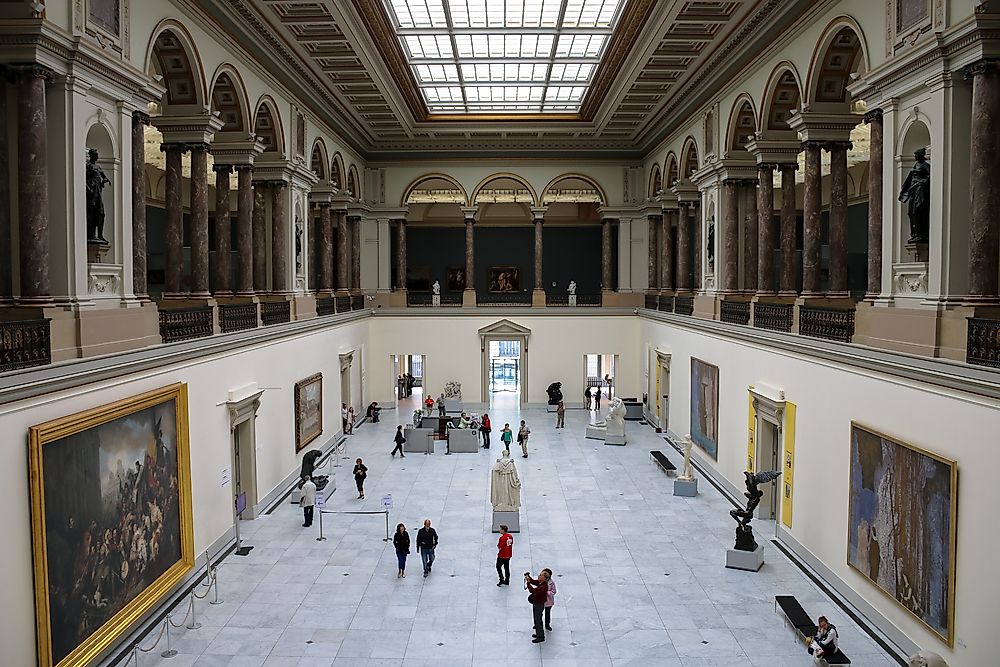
640 572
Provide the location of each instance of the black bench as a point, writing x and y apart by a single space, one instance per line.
803 624
662 461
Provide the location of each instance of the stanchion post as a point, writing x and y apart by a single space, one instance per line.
213 571
169 652
193 624
321 538
386 526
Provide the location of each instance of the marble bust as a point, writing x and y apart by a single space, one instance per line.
505 485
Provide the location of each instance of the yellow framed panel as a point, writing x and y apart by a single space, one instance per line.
787 480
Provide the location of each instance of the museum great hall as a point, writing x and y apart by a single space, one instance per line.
233 232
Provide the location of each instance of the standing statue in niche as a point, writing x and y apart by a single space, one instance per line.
710 244
298 246
744 533
505 485
555 393
916 193
572 287
96 180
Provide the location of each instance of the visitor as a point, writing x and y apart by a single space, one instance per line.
484 429
441 407
307 501
373 412
351 419
608 381
360 473
505 549
550 599
343 417
401 541
429 404
506 436
427 541
825 642
538 594
399 440
586 398
561 415
597 399
522 439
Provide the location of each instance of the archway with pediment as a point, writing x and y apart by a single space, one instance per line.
500 331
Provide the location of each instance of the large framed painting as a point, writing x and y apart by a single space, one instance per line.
456 278
308 410
418 279
902 525
110 520
705 406
504 279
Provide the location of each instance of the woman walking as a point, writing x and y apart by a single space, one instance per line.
485 429
399 440
360 472
401 540
522 439
550 599
506 436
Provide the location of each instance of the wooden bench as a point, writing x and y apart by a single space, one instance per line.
797 617
662 461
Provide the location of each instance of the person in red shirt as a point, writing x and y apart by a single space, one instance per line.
539 589
505 549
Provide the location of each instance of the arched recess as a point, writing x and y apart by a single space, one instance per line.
319 160
338 175
100 138
689 158
504 188
229 98
353 182
173 56
742 124
574 188
670 171
839 53
267 126
782 94
435 189
655 181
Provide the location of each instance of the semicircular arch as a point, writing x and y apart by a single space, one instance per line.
782 93
501 176
446 194
742 123
839 53
587 180
229 98
267 125
173 55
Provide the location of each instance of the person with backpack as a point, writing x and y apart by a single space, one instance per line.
484 430
506 436
522 439
399 440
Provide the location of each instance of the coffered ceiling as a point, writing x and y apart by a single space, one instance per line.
658 61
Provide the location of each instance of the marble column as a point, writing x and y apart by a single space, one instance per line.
174 241
731 238
667 252
355 221
33 185
6 231
342 250
697 233
654 222
984 226
324 255
279 240
259 236
139 286
765 230
222 230
788 210
751 236
838 217
470 239
199 220
683 248
874 120
539 219
244 229
606 254
811 204
401 254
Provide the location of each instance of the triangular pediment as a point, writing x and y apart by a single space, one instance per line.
504 327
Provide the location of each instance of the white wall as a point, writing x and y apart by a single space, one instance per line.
276 366
959 426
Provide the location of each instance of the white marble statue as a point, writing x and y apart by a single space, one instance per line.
688 473
505 485
436 288
453 390
926 659
614 423
572 287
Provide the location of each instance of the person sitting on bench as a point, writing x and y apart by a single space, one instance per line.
825 641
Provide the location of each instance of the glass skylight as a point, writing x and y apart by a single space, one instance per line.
504 56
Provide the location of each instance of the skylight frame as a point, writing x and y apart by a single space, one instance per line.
549 48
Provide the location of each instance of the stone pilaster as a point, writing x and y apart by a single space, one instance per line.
259 235
139 284
697 234
174 241
355 225
469 296
33 185
244 229
984 226
812 202
765 230
606 255
222 230
875 162
838 217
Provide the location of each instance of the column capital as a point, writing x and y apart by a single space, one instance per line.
140 118
31 69
177 146
222 168
243 167
835 145
469 213
538 213
278 184
198 146
873 116
981 67
814 143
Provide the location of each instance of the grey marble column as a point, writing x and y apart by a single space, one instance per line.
199 220
279 240
174 241
606 254
401 255
697 232
984 226
788 211
811 204
731 237
470 262
324 254
6 230
259 236
244 229
838 217
139 285
33 185
654 222
765 230
667 251
683 248
355 223
342 240
222 230
751 236
539 283
875 163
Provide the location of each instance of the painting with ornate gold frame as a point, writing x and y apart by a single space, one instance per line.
110 520
308 410
902 525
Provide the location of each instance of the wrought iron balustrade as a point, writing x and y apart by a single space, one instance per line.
357 302
24 344
735 312
773 316
588 299
666 304
506 299
325 306
185 323
557 300
418 298
342 303
237 316
652 302
983 342
828 323
684 305
275 312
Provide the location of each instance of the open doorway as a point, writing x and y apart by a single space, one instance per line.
662 395
504 371
408 380
242 472
599 375
767 459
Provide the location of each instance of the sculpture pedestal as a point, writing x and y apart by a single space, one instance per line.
596 432
686 487
97 251
614 440
551 408
572 299
750 561
435 299
510 519
463 441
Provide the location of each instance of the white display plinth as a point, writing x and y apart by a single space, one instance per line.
596 432
510 519
463 441
745 560
419 441
572 299
686 487
618 440
436 300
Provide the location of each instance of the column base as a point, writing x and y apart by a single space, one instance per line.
469 298
397 299
538 298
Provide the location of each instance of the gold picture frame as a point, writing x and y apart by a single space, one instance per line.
70 466
308 410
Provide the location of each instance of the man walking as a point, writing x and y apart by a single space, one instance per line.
399 440
505 549
307 501
522 439
597 399
427 541
561 415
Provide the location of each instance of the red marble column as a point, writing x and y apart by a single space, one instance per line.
667 254
606 254
259 235
401 255
470 256
731 238
6 230
697 227
751 236
984 226
813 200
324 255
199 220
174 242
765 230
279 240
244 229
788 210
342 250
653 271
876 146
683 248
838 217
139 285
33 185
355 221
222 230
539 284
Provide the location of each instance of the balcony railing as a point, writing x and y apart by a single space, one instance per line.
773 316
983 344
828 323
357 302
588 299
735 312
275 312
652 302
185 323
325 306
506 299
24 344
237 316
342 303
684 305
666 304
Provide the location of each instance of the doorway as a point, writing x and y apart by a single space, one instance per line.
767 459
346 361
504 371
243 456
408 381
662 395
599 374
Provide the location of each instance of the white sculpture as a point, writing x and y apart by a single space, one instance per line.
436 287
505 491
572 287
926 659
688 473
453 390
614 423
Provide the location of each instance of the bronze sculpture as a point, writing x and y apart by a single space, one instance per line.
916 193
555 393
744 533
96 180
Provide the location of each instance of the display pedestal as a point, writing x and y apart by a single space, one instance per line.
686 487
435 299
463 441
745 560
510 519
551 408
572 299
596 432
618 440
419 441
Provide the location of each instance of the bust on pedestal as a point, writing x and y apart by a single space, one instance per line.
505 494
436 294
